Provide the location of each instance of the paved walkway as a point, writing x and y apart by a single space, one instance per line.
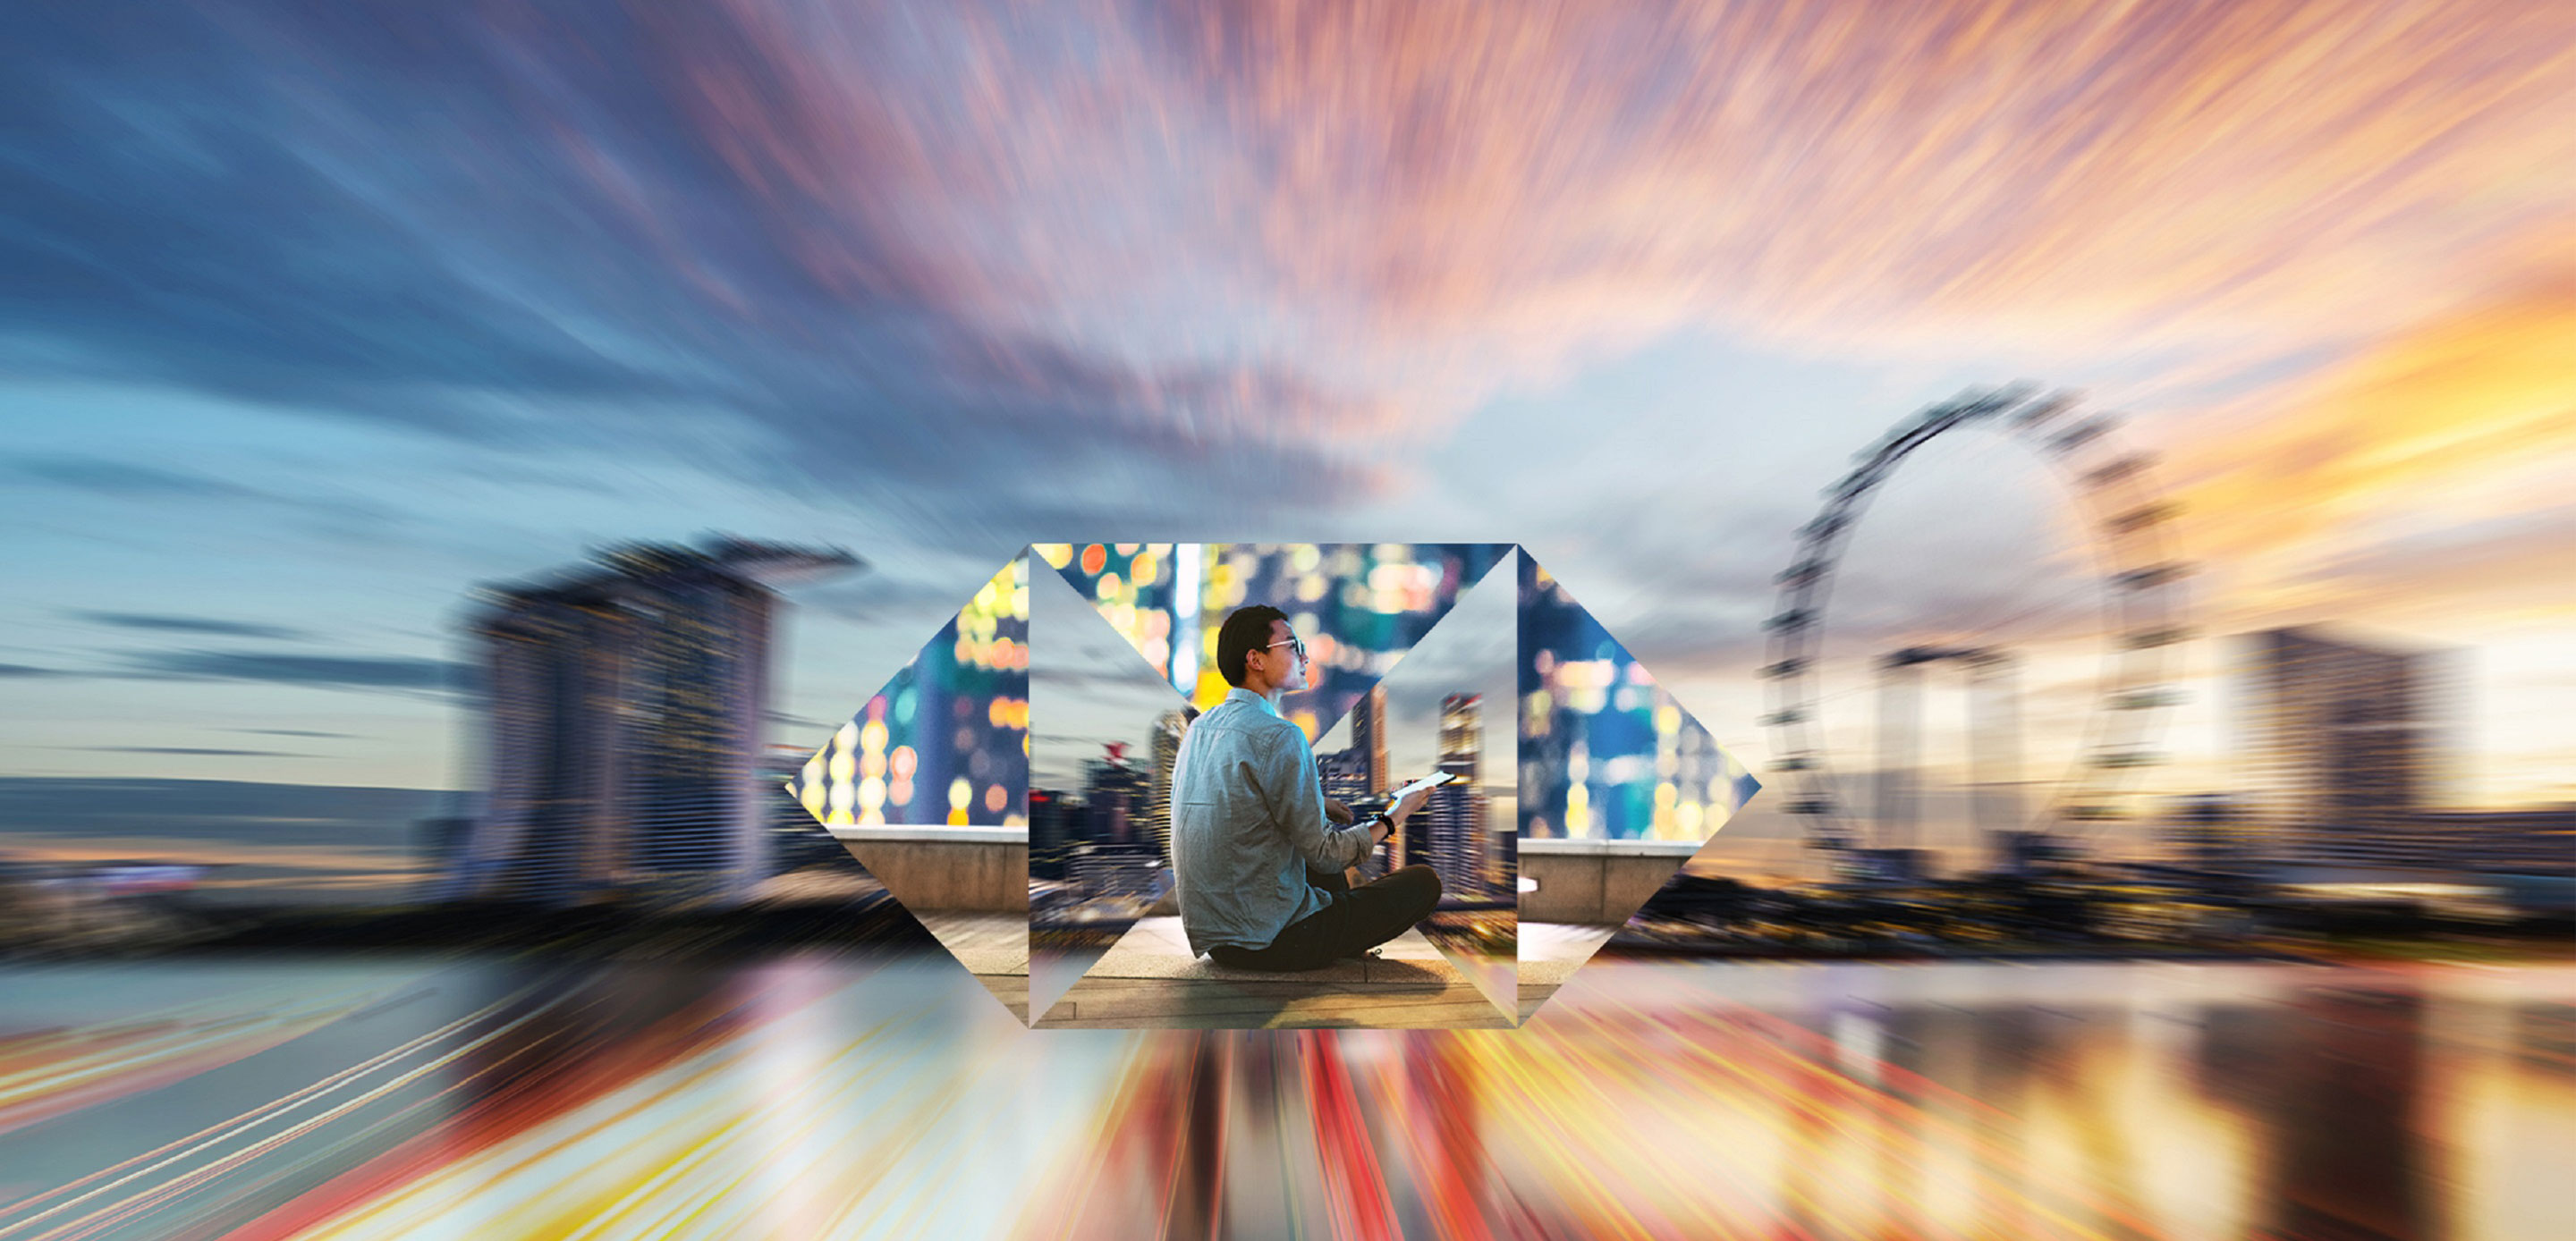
1549 951
1150 978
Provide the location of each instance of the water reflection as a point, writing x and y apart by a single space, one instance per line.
840 1098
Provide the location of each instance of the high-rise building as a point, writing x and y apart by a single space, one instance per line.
1110 869
1114 790
1449 834
621 727
1057 829
2531 840
1168 728
2207 829
1344 773
1368 738
1345 776
2338 742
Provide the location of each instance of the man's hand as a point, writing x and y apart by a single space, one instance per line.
1339 812
1403 810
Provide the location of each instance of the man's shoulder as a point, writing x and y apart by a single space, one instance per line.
1236 716
1247 726
1263 724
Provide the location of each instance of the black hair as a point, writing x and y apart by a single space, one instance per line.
1244 632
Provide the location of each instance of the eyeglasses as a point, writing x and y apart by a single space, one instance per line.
1296 646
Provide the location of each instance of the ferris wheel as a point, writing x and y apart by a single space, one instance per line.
2143 597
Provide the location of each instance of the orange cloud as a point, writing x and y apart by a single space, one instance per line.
1847 172
1427 204
2465 424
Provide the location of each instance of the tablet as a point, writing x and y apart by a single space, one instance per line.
1432 781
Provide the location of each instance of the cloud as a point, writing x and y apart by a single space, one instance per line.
2517 565
30 671
293 732
214 626
878 595
2382 480
200 751
340 516
123 478
995 273
328 671
537 231
1948 171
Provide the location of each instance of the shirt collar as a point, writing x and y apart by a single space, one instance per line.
1240 694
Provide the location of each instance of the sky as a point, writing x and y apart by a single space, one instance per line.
314 316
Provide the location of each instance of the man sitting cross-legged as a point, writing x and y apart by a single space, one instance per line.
1257 863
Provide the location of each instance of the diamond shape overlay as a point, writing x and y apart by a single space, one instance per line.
1608 788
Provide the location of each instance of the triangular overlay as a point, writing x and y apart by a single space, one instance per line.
1359 606
1452 706
1104 727
1619 786
928 785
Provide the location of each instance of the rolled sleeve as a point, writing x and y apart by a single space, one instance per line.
1295 793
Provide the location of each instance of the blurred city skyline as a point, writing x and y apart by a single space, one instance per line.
1627 294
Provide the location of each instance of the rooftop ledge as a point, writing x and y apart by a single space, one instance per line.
1560 847
933 834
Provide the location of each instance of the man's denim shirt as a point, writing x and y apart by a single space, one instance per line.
1247 822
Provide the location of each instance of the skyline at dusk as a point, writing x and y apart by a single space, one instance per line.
615 618
320 316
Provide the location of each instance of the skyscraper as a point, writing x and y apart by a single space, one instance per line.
1158 797
1057 828
1451 839
2206 829
1119 855
622 727
1344 773
1115 792
1368 737
2338 741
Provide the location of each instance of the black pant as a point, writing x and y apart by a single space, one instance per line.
1359 919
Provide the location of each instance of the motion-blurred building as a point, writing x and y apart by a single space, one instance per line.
96 905
1104 844
1111 869
2208 830
2339 744
1114 791
2537 840
621 728
1056 830
1449 834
